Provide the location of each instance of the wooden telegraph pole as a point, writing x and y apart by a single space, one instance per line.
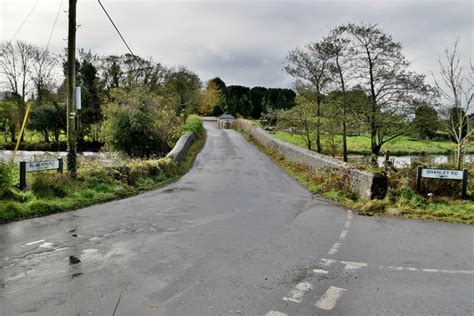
71 82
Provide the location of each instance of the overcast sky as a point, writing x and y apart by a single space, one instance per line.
243 42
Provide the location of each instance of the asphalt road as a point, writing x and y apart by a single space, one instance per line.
234 236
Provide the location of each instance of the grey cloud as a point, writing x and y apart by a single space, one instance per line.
243 42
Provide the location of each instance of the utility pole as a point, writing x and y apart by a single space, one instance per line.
71 82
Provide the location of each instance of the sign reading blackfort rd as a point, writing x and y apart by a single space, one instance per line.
35 166
442 174
42 165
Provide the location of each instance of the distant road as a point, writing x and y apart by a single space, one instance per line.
234 236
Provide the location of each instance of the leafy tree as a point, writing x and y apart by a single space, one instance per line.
238 100
214 97
91 112
257 98
300 119
182 87
49 118
140 123
426 122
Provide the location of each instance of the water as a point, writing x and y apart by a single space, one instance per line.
22 155
404 161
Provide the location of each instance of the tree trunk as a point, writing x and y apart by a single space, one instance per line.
318 128
459 157
46 136
344 140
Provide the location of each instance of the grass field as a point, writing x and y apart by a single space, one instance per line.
401 146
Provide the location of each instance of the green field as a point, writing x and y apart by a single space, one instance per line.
400 146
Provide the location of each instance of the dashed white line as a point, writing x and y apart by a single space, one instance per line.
343 234
275 313
320 271
347 224
329 299
334 248
46 245
296 295
350 265
34 242
327 262
349 215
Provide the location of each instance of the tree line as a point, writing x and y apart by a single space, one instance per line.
244 101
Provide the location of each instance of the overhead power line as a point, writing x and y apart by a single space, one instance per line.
116 28
54 25
24 21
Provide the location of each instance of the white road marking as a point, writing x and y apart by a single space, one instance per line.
334 248
428 270
321 271
275 313
46 245
327 262
349 215
34 242
329 299
296 295
347 224
350 265
343 234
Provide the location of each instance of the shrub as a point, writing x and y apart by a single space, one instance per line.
6 179
193 124
140 123
9 211
373 207
50 184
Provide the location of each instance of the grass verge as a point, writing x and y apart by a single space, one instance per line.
53 193
402 202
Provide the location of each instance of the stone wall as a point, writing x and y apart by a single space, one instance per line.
182 146
365 184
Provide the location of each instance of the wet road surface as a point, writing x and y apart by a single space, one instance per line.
234 236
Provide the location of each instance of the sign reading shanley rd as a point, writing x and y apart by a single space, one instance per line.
42 165
442 174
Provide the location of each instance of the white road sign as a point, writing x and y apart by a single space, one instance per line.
442 174
42 165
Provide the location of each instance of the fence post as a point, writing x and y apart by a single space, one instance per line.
61 165
465 174
22 185
418 178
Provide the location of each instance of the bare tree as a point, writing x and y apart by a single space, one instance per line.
456 86
311 65
44 73
15 71
337 46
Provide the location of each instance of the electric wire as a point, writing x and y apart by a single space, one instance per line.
123 39
116 28
24 21
54 25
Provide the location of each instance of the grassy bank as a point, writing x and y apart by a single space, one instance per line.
50 192
401 200
400 146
